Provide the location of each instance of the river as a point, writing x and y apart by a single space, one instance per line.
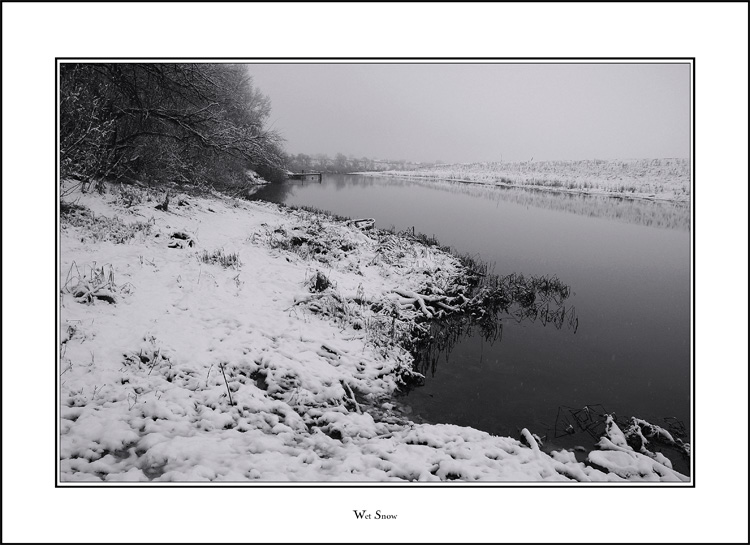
627 264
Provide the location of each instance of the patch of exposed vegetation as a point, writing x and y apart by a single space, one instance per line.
220 257
101 228
426 321
320 212
92 283
318 282
308 241
181 239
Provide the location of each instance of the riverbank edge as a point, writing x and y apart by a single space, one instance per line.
146 452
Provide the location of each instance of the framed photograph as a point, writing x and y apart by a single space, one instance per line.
518 310
367 272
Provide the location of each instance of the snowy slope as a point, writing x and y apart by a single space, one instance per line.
279 366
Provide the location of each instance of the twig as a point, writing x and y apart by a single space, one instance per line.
221 366
209 373
354 399
70 272
155 359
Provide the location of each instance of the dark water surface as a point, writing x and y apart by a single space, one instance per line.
627 264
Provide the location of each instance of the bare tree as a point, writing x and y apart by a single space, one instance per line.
164 123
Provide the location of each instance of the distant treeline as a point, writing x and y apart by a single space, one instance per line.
165 123
343 164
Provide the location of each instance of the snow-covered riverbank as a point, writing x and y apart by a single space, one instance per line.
653 179
223 340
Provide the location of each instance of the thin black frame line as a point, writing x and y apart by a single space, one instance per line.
436 60
693 203
474 486
57 280
625 485
302 484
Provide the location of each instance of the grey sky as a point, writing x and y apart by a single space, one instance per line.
485 112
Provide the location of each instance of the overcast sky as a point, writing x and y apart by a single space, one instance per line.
485 112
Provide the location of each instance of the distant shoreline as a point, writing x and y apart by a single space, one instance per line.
664 180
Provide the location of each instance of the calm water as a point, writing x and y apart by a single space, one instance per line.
627 264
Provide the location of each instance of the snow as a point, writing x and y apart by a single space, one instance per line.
653 179
620 459
279 366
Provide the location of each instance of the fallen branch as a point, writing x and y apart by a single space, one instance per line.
424 303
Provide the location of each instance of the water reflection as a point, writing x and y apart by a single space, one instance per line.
280 192
276 192
639 211
645 212
497 298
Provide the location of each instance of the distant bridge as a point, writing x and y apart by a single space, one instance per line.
303 175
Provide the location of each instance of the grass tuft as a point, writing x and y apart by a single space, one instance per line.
219 257
319 282
101 228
